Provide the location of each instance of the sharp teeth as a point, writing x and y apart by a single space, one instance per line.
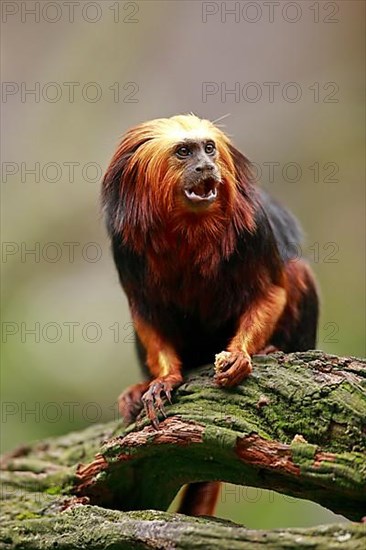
190 193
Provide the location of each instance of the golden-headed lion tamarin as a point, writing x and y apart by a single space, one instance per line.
204 256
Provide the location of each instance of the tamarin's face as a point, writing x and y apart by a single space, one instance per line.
167 168
200 175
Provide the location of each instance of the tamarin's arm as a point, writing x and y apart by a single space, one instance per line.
163 363
161 358
255 328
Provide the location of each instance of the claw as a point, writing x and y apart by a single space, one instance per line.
160 406
149 409
153 398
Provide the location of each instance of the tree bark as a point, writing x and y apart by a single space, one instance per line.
296 426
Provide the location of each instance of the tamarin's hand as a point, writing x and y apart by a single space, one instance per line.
204 257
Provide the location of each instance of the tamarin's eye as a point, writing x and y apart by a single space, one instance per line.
183 151
210 148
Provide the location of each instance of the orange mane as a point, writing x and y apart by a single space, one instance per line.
141 186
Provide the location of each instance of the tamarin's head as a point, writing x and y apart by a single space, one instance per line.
180 167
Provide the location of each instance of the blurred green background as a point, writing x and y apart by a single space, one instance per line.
108 66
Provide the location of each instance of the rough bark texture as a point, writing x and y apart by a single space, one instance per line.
296 426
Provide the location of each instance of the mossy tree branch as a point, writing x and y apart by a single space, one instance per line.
296 426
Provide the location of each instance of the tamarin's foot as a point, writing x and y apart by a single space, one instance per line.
267 350
130 402
231 367
159 389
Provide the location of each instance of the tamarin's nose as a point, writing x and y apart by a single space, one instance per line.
205 167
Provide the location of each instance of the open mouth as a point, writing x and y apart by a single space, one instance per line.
204 191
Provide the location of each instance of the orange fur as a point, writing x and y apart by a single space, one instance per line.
154 218
298 280
297 275
258 322
161 359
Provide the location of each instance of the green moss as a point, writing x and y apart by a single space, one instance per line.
53 490
27 515
325 405
302 452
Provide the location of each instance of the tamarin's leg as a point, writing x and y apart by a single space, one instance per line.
297 327
199 499
163 364
255 329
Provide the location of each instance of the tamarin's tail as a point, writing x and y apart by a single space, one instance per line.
199 499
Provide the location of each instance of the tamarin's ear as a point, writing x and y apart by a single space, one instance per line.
243 168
